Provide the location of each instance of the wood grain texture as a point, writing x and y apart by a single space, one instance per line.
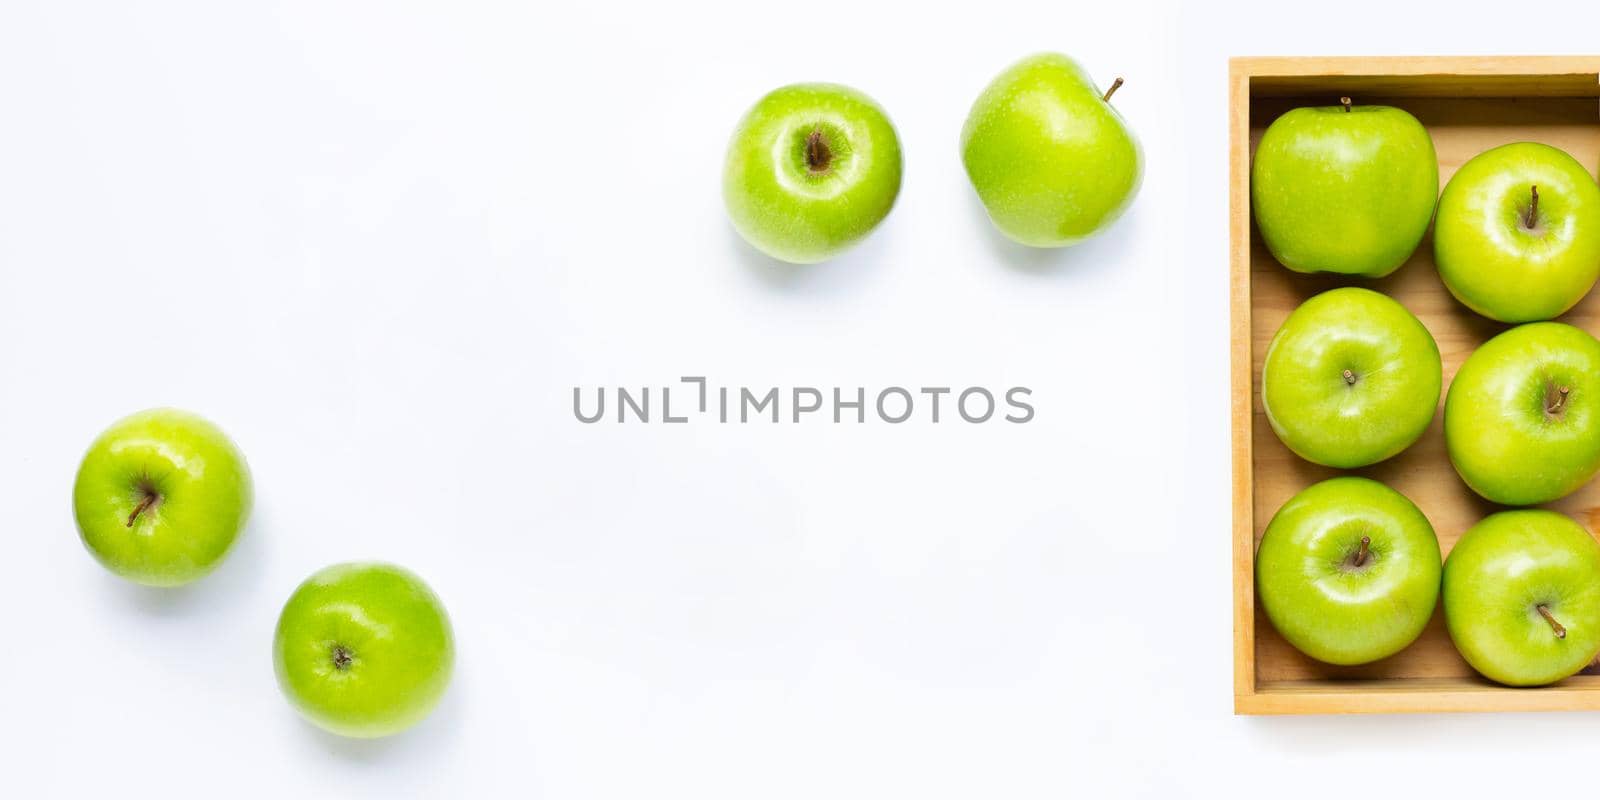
1418 695
1240 379
1412 76
1271 676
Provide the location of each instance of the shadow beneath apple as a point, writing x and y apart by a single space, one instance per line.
1104 248
430 739
228 587
834 274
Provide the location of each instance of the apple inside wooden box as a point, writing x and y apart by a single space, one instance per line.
1468 105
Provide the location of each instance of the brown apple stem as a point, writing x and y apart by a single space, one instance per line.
1361 554
1561 633
341 657
148 501
1115 85
818 155
1532 218
1345 101
1556 400
1349 377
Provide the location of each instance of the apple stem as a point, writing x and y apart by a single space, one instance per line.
1345 101
148 501
1361 553
1561 633
818 156
1533 211
1557 400
1115 85
341 657
1349 377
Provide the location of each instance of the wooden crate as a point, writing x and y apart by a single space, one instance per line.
1469 105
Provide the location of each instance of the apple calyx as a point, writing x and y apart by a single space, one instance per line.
150 498
1555 400
1531 220
1349 377
342 657
1544 611
1115 85
1345 101
818 155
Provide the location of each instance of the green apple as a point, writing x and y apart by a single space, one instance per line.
363 649
1351 378
1348 571
1522 418
1346 188
161 496
1518 235
1522 597
1051 159
811 170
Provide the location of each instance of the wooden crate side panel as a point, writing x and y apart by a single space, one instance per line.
1244 668
1418 695
1410 76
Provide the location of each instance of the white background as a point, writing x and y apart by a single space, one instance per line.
379 243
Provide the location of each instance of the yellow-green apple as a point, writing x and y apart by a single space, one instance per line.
161 496
1518 234
1522 597
1522 418
812 168
1348 571
363 649
1052 161
1351 378
1345 188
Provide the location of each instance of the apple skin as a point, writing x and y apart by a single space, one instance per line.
1500 437
1488 256
1052 161
199 495
363 649
1496 578
1317 596
1380 408
811 169
1349 192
